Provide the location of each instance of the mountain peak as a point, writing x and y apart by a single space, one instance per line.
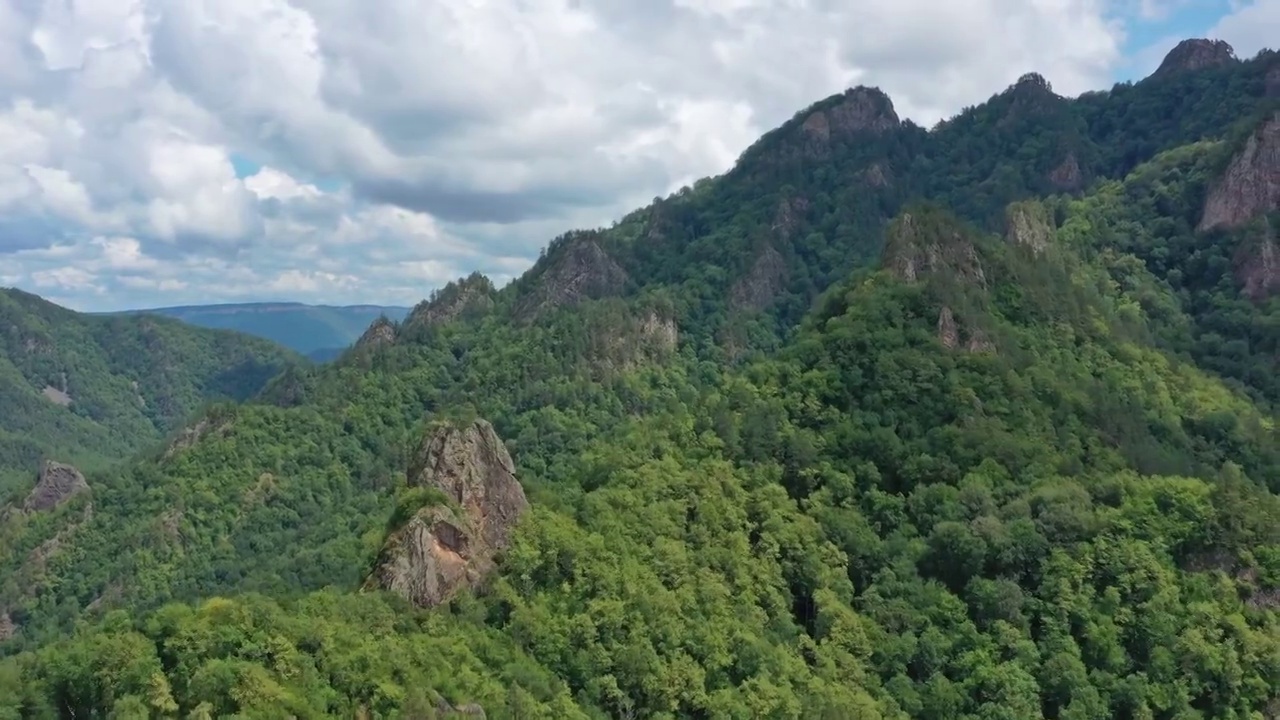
858 109
574 268
461 297
1033 82
1196 54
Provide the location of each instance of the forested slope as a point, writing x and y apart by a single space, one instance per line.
92 389
974 422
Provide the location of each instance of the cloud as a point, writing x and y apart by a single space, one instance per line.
396 145
1250 27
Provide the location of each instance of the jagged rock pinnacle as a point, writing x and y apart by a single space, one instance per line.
1196 54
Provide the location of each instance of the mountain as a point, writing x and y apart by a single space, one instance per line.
973 422
91 389
318 331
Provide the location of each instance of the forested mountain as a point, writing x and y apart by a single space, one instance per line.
972 422
92 389
317 331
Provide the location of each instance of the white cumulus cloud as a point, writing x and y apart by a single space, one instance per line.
182 151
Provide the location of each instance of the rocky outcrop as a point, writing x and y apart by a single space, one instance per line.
188 436
1196 54
1257 266
56 396
468 710
1250 187
7 628
1067 176
919 245
877 176
948 331
634 339
949 334
1030 97
445 548
660 331
577 270
789 216
762 283
57 484
979 342
1027 224
468 296
381 332
860 109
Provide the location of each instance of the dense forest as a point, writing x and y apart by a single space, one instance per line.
971 422
95 389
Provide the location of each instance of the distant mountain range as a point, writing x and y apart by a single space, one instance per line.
317 331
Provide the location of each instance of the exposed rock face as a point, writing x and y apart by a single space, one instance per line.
979 342
641 338
469 710
56 396
949 333
58 483
443 549
912 251
469 295
189 436
789 216
380 332
1250 187
1067 175
581 270
1257 266
7 628
877 176
1196 54
862 109
761 284
1027 223
659 330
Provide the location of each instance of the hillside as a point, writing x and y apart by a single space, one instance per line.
91 389
317 331
976 422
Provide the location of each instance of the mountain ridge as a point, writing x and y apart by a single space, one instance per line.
318 331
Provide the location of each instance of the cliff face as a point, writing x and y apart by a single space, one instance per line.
1196 54
380 332
1257 266
1067 175
1027 223
761 284
57 484
1250 187
861 109
579 270
445 548
470 295
919 245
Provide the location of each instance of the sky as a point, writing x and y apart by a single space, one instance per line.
166 152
